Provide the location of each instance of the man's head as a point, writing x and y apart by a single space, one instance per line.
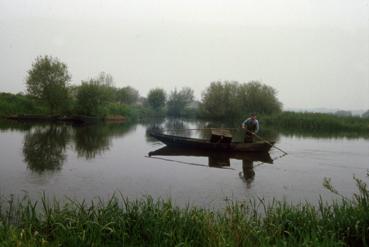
253 116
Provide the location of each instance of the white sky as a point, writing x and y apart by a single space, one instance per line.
315 53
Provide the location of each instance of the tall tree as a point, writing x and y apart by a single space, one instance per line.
231 99
179 100
127 95
47 80
93 96
105 78
257 97
156 98
220 100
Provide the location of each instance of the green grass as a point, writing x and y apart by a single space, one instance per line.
315 122
148 222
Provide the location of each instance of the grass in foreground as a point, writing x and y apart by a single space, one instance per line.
120 222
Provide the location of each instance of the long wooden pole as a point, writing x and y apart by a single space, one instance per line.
253 133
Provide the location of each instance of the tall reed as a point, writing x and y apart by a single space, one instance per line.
148 222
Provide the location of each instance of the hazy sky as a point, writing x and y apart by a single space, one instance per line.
314 52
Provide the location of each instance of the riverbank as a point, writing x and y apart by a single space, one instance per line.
79 119
26 108
315 122
160 223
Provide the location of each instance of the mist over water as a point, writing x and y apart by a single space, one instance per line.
316 54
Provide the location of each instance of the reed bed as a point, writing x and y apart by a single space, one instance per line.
316 122
148 222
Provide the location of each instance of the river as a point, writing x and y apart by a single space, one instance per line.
97 161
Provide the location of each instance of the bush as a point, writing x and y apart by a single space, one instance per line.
93 98
156 99
11 104
179 101
233 100
48 80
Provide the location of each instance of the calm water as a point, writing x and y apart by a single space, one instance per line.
86 162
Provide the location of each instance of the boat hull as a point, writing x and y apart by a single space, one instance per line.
185 142
175 151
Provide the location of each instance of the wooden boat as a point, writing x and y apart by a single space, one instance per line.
186 142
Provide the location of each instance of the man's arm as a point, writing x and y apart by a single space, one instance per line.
257 126
244 122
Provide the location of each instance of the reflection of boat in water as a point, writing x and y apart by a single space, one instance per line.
216 159
219 159
193 143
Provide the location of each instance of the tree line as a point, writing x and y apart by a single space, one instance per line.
49 83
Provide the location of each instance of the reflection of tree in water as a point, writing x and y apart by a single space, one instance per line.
153 125
172 126
6 125
92 140
151 129
44 147
177 126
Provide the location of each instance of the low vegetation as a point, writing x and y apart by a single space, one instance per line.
315 122
120 222
11 104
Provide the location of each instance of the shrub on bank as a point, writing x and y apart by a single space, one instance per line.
11 104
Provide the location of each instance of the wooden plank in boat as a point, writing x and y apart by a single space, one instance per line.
220 136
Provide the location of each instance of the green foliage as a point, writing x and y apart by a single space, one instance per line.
106 79
234 100
121 222
44 147
11 104
127 95
129 111
178 101
220 100
315 122
93 97
47 80
259 98
156 98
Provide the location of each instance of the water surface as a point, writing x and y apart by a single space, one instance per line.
86 162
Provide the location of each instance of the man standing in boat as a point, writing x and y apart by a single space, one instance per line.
251 125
